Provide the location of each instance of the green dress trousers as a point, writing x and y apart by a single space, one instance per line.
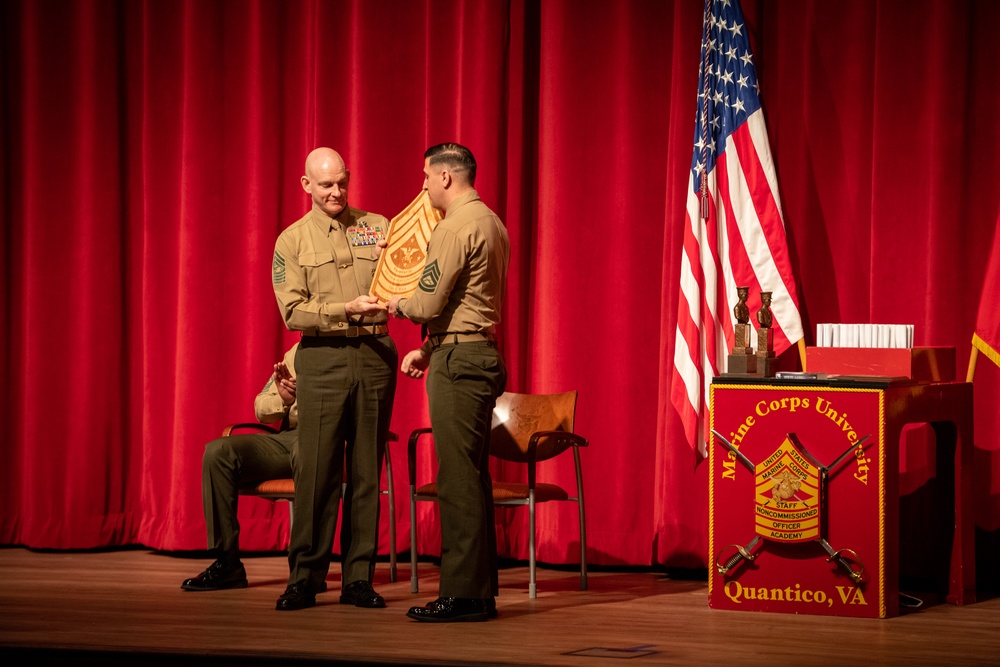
463 384
345 389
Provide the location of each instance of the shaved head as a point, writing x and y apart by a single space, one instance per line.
324 158
326 180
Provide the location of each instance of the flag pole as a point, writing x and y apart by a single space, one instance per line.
802 352
973 358
703 177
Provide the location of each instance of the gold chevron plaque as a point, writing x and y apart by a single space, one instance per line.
402 260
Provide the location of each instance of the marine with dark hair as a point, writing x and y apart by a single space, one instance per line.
459 297
456 157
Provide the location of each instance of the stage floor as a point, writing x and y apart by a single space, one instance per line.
126 607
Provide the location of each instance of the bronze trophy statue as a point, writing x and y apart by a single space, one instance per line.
742 360
766 360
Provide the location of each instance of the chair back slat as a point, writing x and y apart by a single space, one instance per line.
517 416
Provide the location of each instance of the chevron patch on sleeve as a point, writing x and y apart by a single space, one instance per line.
278 269
429 278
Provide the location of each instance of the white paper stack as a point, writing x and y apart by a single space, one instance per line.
864 335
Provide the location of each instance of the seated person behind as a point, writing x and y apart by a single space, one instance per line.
244 460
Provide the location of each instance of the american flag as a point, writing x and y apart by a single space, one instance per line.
734 234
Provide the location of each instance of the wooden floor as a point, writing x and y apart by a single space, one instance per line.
126 607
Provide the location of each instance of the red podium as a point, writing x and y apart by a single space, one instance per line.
804 491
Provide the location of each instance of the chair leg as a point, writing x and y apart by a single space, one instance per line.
583 521
532 586
392 551
414 586
583 546
392 521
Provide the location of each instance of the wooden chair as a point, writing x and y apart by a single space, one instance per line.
284 489
527 428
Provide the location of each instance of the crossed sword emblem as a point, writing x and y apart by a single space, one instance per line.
746 553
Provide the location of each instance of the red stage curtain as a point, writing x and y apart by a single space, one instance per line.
151 155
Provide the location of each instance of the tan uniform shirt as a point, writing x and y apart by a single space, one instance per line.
269 406
321 263
461 287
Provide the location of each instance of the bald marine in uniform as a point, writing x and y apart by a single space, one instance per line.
459 296
346 379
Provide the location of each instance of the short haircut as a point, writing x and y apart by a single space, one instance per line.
454 156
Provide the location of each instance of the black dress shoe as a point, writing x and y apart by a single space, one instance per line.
450 610
296 596
361 594
490 602
220 575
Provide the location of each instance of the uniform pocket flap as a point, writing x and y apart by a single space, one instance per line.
315 258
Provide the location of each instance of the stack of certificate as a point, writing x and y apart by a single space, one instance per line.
864 335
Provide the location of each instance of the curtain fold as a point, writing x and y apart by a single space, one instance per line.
151 154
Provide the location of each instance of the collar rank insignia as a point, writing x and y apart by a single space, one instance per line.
365 235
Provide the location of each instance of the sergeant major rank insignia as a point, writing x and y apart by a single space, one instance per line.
365 235
278 269
788 506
